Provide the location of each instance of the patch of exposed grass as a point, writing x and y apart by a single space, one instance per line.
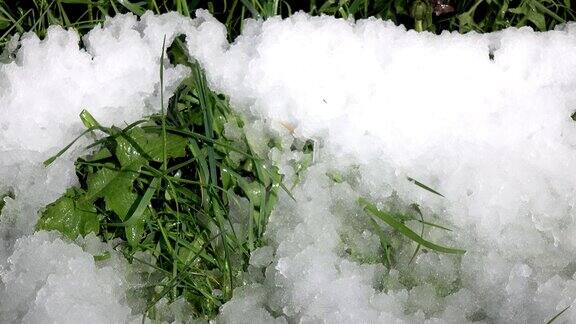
164 186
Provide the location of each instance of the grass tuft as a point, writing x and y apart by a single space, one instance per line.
164 185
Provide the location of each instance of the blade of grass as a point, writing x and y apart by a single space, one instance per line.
403 229
423 186
62 151
163 115
558 315
143 203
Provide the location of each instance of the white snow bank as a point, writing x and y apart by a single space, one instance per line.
493 135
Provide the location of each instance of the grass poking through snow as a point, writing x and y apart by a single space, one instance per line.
164 186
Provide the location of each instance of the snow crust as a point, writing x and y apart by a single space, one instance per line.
493 135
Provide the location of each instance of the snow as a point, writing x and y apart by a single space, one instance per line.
52 281
493 135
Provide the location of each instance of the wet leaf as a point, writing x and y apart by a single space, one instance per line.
70 216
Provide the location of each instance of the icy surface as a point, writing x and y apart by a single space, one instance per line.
51 281
380 103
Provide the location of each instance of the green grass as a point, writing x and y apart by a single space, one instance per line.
394 221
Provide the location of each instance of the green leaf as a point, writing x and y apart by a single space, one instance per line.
121 201
70 216
391 220
107 183
115 186
138 144
129 152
